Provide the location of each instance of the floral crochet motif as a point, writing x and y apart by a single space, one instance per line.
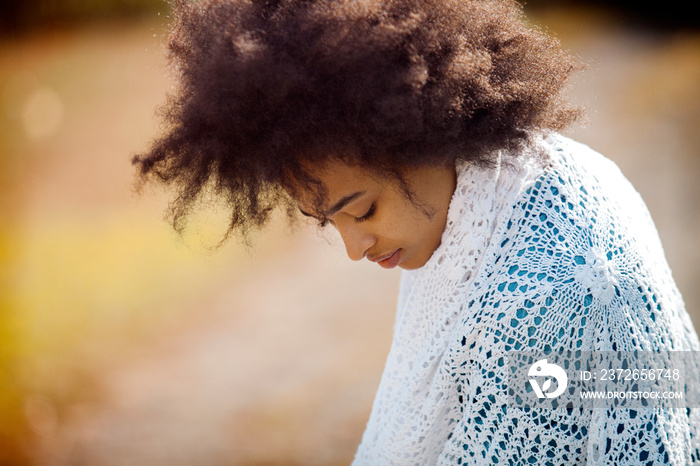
598 273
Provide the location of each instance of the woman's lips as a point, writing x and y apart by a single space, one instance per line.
390 261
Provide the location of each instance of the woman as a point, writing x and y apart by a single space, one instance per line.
425 132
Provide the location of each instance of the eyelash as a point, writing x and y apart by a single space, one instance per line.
366 216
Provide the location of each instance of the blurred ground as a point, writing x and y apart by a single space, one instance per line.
130 347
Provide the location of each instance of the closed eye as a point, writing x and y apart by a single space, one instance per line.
366 216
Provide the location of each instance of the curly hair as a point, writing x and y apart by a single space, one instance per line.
267 88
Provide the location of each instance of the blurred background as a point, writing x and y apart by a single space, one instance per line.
121 343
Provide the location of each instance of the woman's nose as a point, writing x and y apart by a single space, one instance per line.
357 241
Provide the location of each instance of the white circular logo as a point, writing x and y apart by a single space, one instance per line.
551 371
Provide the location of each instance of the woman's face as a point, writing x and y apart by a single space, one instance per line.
375 218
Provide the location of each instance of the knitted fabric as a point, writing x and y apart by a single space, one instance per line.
556 252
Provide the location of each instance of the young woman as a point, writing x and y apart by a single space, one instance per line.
426 133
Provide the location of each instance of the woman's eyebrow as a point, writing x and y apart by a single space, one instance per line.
343 202
337 206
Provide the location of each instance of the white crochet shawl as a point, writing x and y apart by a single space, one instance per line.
538 253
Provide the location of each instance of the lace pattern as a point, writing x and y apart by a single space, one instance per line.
538 254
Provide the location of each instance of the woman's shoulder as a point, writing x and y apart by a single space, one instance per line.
586 180
566 154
